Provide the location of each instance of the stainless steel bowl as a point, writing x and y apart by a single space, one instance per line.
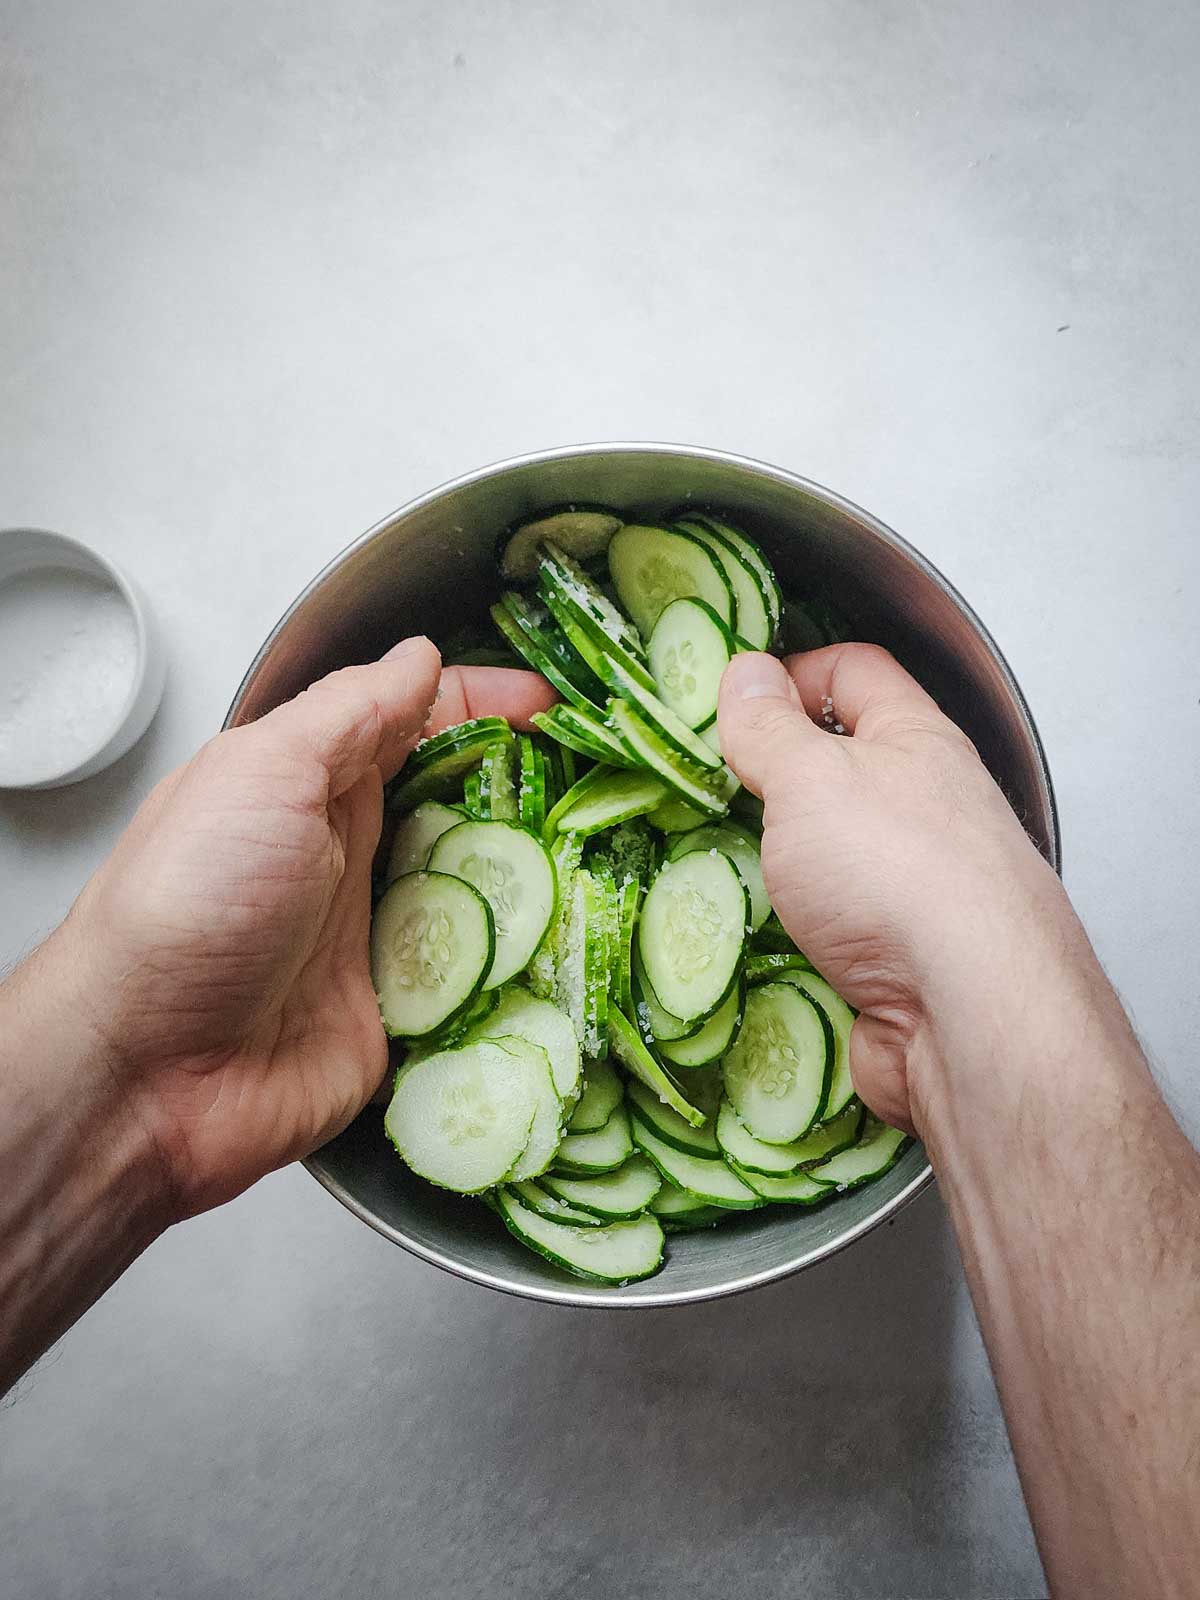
429 568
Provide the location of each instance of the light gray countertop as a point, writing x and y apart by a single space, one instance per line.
268 270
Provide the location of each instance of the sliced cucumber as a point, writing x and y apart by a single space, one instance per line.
473 804
433 943
465 1021
682 1132
543 969
708 1178
688 651
676 816
714 1038
416 835
581 964
762 968
629 853
633 1055
520 1013
796 1189
600 1098
531 630
879 1147
740 1146
652 566
702 1216
461 1119
615 1195
841 1020
742 848
603 798
752 615
546 1130
515 875
437 765
531 784
581 606
532 1194
621 956
692 933
777 1075
583 1154
497 784
582 531
655 1022
754 558
583 734
673 1205
685 781
619 1253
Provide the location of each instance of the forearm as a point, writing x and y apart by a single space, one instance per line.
80 1186
1076 1201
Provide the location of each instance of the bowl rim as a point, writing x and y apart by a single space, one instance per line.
565 1294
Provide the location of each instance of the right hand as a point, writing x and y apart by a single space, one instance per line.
891 856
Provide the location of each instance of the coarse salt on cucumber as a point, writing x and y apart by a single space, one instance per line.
515 876
742 848
631 1051
532 1194
713 1038
879 1147
440 762
752 616
739 1145
432 945
617 1195
663 1120
796 1188
686 782
584 735
600 1098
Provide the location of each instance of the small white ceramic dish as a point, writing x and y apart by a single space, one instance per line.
81 664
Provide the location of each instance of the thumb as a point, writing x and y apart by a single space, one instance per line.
761 720
361 717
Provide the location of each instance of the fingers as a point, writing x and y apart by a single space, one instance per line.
362 716
862 687
490 692
761 721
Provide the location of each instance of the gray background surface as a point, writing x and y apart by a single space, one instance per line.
267 270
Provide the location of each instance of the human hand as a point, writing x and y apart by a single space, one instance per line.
222 949
891 856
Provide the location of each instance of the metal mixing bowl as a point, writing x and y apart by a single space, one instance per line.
429 568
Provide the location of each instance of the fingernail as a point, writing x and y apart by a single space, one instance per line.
406 647
757 677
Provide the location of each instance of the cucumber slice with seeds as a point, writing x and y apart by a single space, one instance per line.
520 1013
433 943
752 615
584 1154
777 1074
878 1149
633 1055
416 835
582 608
668 1125
582 531
603 798
618 1253
461 1118
708 1178
601 1096
742 848
515 876
652 566
617 1196
688 651
710 1042
841 1020
438 765
692 933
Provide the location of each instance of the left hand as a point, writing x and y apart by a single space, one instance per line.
221 951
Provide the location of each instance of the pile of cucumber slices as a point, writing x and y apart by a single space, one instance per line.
608 1034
